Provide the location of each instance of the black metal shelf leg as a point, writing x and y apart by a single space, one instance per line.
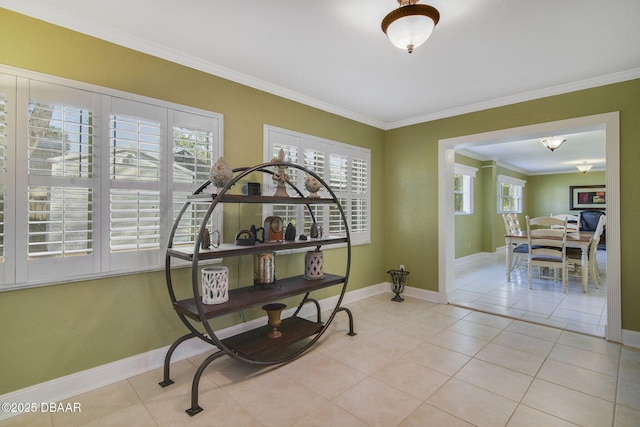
317 304
167 359
351 333
195 408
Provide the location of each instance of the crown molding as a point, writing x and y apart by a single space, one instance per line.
48 13
618 77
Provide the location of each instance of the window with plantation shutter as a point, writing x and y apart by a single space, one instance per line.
359 194
94 179
3 169
314 159
195 148
345 168
290 145
59 195
135 172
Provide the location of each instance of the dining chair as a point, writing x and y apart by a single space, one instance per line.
589 222
520 251
574 255
573 221
547 238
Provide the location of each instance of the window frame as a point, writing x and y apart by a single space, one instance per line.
513 183
275 136
17 270
468 174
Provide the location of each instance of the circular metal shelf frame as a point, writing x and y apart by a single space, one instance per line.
209 335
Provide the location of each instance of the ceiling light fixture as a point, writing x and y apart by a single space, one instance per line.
553 143
584 167
411 24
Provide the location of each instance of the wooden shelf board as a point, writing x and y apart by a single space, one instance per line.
230 249
255 342
251 296
241 198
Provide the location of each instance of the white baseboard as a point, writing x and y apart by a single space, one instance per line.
631 338
71 385
423 294
477 256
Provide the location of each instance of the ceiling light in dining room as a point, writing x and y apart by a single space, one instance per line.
411 24
553 143
584 167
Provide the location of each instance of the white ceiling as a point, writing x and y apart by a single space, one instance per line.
332 54
529 156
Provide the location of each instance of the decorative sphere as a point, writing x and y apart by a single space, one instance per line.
221 173
312 185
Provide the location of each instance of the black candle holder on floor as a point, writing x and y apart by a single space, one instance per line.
398 280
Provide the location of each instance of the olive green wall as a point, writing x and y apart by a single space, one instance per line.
57 330
549 194
469 228
411 169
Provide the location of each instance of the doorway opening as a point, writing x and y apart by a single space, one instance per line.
446 155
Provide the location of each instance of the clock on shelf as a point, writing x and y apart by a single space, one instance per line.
273 229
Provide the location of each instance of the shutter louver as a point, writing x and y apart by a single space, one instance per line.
60 222
135 220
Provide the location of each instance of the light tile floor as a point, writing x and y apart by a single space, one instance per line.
481 284
413 363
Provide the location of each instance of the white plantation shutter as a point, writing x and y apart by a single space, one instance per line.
60 135
314 159
360 196
99 181
7 86
195 147
290 145
135 162
343 167
338 181
3 169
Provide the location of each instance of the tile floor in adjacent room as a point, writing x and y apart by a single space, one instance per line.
413 363
481 284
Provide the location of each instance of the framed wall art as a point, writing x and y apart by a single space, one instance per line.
587 197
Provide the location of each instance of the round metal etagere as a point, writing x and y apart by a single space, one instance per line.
193 312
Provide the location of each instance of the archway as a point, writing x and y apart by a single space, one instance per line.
446 152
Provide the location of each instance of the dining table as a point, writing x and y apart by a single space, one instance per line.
576 239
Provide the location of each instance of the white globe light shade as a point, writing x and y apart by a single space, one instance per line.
410 26
411 30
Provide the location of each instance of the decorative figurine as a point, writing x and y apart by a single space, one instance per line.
312 185
220 174
290 232
280 177
206 239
